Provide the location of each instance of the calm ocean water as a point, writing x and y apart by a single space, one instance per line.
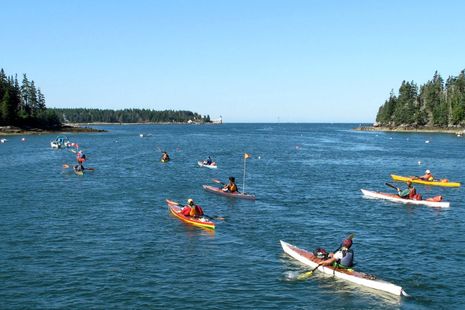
106 240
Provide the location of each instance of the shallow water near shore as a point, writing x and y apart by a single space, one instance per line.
107 240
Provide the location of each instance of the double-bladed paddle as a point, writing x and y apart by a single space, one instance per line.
66 166
218 181
394 187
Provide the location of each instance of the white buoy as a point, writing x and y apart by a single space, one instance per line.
419 162
259 157
427 141
23 139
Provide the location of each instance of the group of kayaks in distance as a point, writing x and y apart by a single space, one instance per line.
62 142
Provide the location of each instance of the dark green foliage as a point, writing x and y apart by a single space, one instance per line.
24 105
436 104
128 116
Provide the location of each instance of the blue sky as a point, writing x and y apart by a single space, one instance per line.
249 61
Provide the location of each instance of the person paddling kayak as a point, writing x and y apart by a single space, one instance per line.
427 177
209 161
192 210
409 193
81 158
344 257
165 157
231 187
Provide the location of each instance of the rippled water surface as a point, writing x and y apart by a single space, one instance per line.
107 240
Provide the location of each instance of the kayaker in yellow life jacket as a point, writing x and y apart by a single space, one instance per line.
427 177
231 186
343 257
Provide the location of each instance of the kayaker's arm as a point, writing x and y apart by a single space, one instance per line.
328 261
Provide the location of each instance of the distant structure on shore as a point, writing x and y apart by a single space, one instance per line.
218 120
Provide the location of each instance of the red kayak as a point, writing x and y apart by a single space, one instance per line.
199 222
220 191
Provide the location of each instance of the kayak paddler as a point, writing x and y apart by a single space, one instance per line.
191 209
231 186
344 257
427 177
81 158
409 193
165 157
209 161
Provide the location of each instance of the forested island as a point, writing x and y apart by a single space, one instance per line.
128 116
23 110
435 105
23 105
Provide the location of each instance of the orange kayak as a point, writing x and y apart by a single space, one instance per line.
175 209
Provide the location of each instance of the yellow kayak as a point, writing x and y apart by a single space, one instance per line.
442 182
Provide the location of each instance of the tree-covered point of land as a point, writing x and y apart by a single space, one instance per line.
434 104
23 105
128 116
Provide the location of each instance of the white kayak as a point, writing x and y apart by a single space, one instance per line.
211 166
430 202
360 278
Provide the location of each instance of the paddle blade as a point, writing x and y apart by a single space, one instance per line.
351 236
171 202
65 166
305 275
217 181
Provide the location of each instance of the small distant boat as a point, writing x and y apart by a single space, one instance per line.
60 142
219 191
3 140
429 202
204 164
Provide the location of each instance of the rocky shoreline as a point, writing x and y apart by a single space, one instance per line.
12 130
456 131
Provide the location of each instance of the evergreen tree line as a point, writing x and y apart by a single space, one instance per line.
435 103
128 116
24 105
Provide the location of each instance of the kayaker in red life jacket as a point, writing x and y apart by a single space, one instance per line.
427 177
191 209
344 257
409 193
81 157
231 186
